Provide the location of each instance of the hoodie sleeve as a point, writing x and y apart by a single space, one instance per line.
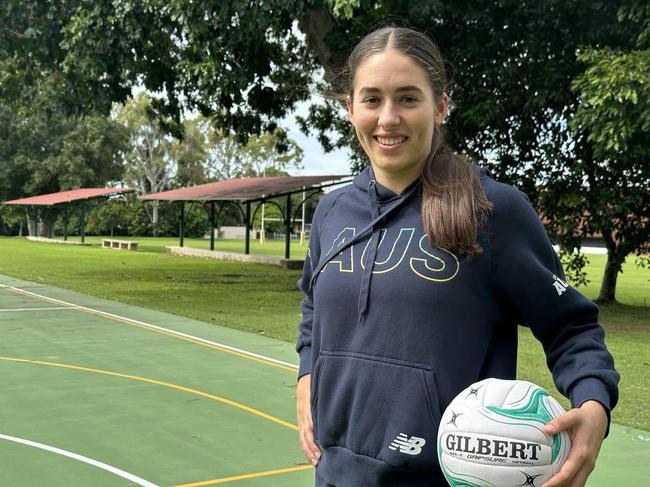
528 275
303 345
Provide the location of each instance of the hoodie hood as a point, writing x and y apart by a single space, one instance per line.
384 195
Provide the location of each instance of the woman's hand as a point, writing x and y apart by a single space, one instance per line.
586 426
305 425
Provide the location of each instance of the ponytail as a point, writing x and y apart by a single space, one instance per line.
454 205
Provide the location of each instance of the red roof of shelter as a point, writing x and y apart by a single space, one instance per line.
67 196
241 189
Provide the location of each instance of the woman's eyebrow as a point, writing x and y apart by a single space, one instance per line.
372 89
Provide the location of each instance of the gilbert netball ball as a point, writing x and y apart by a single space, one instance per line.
491 436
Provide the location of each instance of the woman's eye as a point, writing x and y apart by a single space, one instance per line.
409 99
371 100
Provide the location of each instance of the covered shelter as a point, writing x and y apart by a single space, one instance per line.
258 190
67 198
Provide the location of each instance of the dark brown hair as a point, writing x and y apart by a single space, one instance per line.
454 204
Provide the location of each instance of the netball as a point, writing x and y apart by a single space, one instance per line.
492 435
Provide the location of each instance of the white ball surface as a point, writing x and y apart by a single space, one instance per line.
491 435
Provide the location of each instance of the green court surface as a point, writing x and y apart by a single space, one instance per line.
99 393
183 403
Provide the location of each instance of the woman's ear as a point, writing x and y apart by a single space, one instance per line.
348 104
441 109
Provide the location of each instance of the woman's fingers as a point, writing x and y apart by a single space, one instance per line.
569 470
566 474
306 431
309 448
586 426
305 425
562 423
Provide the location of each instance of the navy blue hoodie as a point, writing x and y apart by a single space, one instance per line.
393 329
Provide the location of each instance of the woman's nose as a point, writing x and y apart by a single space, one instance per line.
389 115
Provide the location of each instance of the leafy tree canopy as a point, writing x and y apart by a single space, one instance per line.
517 82
43 150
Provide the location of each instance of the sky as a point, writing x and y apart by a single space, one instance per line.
315 162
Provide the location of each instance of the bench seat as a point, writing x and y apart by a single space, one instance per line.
110 243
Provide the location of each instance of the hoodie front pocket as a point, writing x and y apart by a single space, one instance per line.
314 393
383 408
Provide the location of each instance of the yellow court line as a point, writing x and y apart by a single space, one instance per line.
246 476
223 400
162 332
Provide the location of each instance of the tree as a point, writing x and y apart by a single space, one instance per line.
47 142
614 118
266 154
12 220
245 65
240 63
225 157
149 167
519 86
45 150
190 154
108 218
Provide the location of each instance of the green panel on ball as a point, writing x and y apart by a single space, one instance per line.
533 410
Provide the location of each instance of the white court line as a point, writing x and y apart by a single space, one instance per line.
153 327
9 310
81 458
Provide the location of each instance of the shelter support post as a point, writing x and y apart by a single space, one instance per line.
82 223
287 238
302 222
65 223
248 228
212 225
50 232
181 231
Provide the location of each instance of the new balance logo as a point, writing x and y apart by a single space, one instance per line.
559 285
410 446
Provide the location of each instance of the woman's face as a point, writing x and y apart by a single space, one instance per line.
393 112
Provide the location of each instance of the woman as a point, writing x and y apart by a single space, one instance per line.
416 277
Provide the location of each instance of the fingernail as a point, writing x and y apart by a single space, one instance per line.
314 462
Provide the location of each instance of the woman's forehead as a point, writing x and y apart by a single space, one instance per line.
390 70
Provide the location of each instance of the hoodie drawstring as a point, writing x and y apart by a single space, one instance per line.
364 290
376 218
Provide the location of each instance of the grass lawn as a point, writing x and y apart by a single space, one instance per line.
149 244
253 297
263 299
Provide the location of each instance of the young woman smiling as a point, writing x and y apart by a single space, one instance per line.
416 278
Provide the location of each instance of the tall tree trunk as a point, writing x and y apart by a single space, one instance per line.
32 226
316 24
46 227
48 219
608 286
154 218
28 223
42 223
615 258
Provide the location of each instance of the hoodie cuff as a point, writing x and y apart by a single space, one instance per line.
305 361
591 389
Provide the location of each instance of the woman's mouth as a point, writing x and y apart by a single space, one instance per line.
389 142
